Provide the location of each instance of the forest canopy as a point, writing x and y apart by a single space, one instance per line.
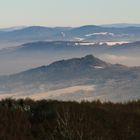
55 120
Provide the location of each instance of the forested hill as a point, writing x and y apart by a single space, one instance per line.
53 120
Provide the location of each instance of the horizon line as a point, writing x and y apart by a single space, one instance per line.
55 26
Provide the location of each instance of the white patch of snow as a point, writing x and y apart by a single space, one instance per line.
113 43
100 33
100 43
63 34
98 67
79 39
85 43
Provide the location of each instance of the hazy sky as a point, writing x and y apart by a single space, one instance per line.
68 12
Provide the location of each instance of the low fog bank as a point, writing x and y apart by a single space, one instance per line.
128 60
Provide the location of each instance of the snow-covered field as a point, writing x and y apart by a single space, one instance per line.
101 43
101 33
114 43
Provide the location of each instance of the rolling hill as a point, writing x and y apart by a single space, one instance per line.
86 78
35 54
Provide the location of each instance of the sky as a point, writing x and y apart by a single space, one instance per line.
68 12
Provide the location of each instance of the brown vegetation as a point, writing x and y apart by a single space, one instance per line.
53 120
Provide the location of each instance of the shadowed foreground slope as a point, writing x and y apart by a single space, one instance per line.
53 120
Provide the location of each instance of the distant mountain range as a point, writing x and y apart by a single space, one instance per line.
77 47
86 78
12 28
35 54
67 75
89 33
121 25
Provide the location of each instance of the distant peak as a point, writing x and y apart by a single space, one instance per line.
90 56
94 61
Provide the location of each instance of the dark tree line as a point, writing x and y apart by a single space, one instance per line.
54 120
